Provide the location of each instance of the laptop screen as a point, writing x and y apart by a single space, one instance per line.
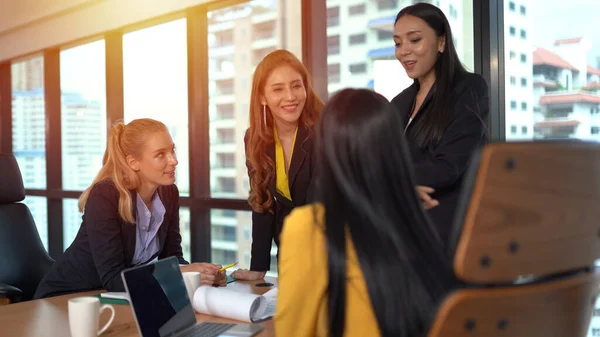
159 298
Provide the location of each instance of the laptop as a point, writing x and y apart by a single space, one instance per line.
162 308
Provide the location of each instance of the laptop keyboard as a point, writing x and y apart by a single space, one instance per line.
207 329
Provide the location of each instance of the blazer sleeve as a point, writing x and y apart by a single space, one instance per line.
172 245
263 230
465 133
104 233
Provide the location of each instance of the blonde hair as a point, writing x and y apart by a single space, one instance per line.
124 140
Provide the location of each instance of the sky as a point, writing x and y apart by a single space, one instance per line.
553 20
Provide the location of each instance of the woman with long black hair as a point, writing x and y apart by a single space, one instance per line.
444 113
365 261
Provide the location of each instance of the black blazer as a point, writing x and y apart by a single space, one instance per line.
267 226
444 166
105 244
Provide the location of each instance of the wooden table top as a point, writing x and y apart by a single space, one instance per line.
49 317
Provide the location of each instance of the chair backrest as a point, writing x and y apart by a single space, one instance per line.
24 260
558 308
526 236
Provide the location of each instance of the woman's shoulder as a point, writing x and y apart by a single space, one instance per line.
406 95
105 187
471 82
304 224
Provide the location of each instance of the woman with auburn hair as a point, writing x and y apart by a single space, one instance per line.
130 215
279 144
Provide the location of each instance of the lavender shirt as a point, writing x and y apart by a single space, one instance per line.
148 222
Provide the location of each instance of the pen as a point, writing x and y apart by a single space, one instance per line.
228 266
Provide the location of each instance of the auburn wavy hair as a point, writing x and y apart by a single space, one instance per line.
261 168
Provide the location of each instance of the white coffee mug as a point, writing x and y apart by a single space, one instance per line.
192 282
84 316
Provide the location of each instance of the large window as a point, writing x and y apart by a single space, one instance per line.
83 123
184 229
231 238
559 70
38 207
71 221
28 134
29 121
370 61
238 38
83 113
155 84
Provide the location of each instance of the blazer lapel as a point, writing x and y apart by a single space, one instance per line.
129 231
422 108
162 231
298 156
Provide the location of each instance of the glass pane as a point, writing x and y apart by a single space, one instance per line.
359 57
552 71
184 229
155 84
71 221
231 31
231 239
83 98
29 120
38 206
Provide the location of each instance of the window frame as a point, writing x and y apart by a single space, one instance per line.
488 29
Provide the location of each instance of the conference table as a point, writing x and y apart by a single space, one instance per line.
50 317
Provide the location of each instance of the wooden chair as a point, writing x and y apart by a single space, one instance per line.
527 237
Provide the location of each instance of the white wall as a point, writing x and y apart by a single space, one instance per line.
28 26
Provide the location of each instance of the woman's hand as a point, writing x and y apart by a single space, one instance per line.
210 274
424 193
248 275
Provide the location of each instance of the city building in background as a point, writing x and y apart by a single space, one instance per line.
28 126
360 34
566 91
238 39
518 46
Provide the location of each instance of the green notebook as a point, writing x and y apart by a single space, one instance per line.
104 300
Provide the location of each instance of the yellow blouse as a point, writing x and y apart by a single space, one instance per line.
303 277
282 183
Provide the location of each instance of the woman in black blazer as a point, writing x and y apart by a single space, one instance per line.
130 215
279 146
444 112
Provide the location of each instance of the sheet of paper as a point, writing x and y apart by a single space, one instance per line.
226 303
266 309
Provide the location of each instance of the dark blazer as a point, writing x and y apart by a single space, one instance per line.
105 244
267 226
443 167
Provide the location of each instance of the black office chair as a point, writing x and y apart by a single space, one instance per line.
24 261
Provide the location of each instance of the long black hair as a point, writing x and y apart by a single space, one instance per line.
366 184
433 124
